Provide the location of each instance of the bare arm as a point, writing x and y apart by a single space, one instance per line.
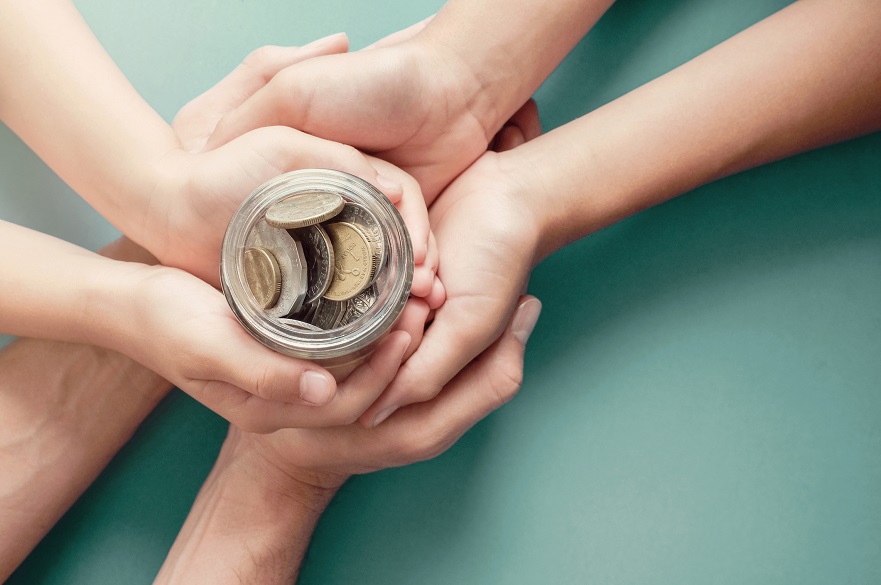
429 102
508 48
807 76
65 410
64 96
254 517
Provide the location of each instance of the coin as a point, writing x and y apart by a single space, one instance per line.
359 215
328 313
263 276
319 259
304 209
299 324
357 306
291 263
353 261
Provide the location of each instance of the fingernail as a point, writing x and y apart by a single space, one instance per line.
384 415
525 320
315 388
388 184
323 41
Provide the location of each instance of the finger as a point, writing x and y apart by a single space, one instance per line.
527 120
246 364
425 274
260 415
508 138
437 296
364 385
462 329
432 254
196 121
423 280
422 431
412 320
279 149
409 202
400 36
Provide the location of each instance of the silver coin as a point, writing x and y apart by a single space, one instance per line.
359 215
302 325
304 313
358 305
328 313
291 263
304 209
319 259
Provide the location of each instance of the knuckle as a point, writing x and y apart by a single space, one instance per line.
262 379
343 418
429 443
425 392
350 157
260 59
505 382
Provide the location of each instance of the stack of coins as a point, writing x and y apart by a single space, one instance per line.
312 261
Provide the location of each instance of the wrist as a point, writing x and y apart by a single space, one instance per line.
115 295
472 88
257 457
525 183
164 184
248 524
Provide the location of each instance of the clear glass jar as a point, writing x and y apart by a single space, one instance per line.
339 349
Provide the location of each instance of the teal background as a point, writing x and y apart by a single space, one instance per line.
702 401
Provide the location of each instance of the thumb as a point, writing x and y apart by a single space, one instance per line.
197 120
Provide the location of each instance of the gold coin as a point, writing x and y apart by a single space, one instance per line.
353 261
304 209
263 276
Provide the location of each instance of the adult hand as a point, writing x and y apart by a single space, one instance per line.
404 100
488 244
254 516
196 192
487 240
322 459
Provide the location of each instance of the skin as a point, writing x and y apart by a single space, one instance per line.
153 182
107 143
430 104
253 518
60 426
807 76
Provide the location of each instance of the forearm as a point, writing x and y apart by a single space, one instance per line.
510 47
807 76
54 290
65 410
249 524
64 96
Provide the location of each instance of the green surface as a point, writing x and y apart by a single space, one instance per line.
702 401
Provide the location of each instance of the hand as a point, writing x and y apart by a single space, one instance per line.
487 240
254 516
402 99
322 459
196 192
183 329
488 246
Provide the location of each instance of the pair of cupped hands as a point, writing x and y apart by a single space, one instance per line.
319 106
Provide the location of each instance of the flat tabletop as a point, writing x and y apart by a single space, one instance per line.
702 395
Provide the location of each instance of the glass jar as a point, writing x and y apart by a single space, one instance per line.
338 349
